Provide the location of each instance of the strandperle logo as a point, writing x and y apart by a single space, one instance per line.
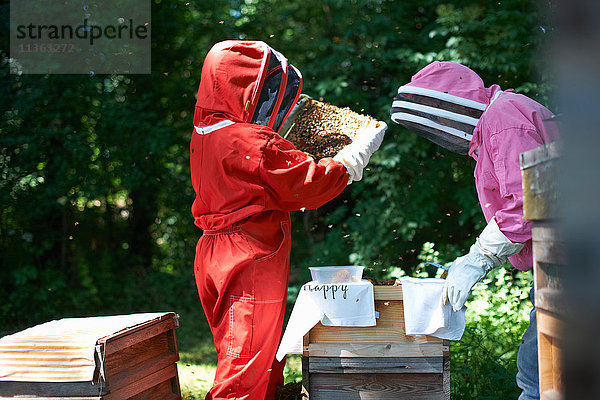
84 31
80 37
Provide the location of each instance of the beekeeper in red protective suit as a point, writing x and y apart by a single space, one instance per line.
247 178
449 104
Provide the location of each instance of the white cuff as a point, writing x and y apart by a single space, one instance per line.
495 246
354 157
372 135
357 154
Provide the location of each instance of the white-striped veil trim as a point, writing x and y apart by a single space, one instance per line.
204 130
436 111
442 96
401 116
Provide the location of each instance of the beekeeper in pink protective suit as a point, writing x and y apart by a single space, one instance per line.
449 104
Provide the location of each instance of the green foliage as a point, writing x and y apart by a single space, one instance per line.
293 369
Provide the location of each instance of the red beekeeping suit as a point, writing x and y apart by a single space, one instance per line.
247 178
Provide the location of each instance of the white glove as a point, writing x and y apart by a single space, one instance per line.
357 154
491 249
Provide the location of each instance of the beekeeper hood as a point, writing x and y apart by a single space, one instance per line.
246 81
443 103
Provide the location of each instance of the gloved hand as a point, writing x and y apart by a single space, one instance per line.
357 154
490 250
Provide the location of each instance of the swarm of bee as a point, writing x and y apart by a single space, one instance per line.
322 129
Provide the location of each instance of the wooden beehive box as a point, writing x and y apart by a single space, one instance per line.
540 205
379 362
138 362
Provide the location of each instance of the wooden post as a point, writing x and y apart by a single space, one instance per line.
540 205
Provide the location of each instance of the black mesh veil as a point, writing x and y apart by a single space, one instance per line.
292 91
270 90
446 124
449 142
281 88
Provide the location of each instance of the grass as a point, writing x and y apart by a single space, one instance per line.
196 379
197 356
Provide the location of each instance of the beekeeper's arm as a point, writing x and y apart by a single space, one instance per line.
490 250
296 181
506 233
